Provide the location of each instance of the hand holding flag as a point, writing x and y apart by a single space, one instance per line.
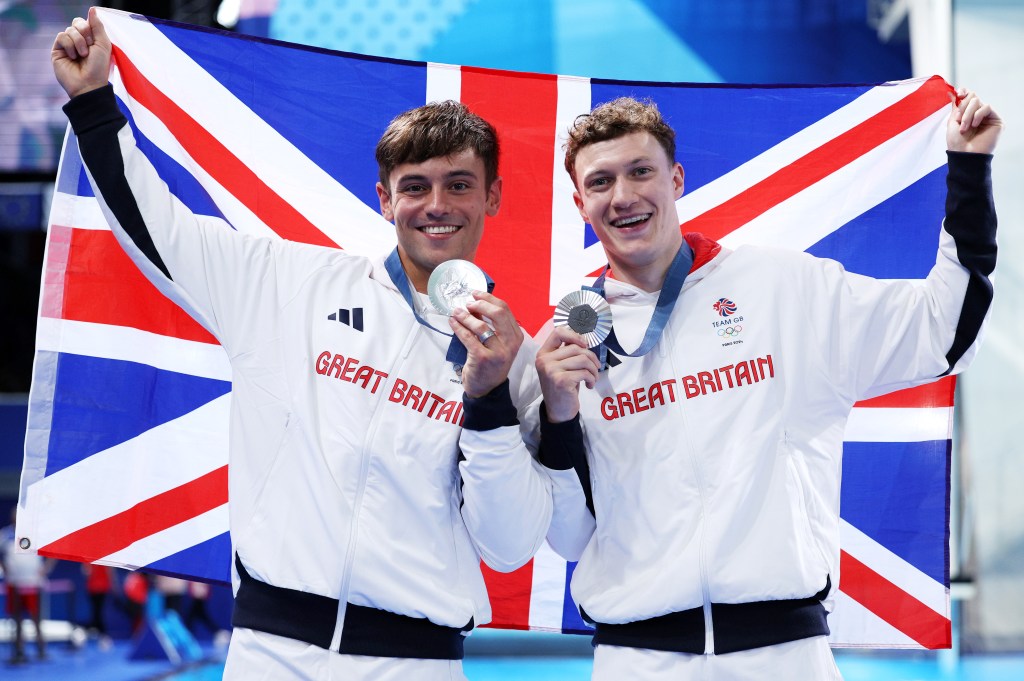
81 55
973 125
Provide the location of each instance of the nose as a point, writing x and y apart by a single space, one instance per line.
623 195
437 204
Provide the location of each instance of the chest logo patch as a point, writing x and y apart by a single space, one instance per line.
725 307
727 325
353 317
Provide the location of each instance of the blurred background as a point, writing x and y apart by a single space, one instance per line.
977 43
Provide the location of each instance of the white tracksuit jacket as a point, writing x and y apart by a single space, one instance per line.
715 460
344 478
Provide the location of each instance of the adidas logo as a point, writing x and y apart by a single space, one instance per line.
353 318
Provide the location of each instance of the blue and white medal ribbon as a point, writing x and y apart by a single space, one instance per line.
670 289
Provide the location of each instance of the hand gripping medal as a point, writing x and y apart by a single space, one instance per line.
586 313
452 283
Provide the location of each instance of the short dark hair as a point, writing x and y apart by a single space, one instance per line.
433 130
615 119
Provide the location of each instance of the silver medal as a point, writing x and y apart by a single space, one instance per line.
452 283
586 313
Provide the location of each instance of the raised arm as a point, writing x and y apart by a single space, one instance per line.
197 261
894 335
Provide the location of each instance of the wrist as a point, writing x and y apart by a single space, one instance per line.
494 409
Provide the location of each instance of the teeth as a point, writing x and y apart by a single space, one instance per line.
626 222
440 229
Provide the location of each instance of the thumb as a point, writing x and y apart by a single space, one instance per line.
99 32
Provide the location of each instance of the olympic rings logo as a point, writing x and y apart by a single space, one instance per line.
730 331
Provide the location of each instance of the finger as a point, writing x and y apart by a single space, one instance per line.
468 338
497 312
570 380
581 367
587 377
474 330
475 325
64 46
578 366
960 103
99 32
967 109
85 29
81 49
566 352
968 105
488 297
981 115
562 335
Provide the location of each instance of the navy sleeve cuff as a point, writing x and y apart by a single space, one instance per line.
560 443
94 109
968 171
490 411
970 209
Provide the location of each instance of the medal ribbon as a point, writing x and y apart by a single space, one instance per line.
456 350
674 279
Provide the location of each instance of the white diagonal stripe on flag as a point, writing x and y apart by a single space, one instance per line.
849 192
272 158
235 212
851 624
126 344
793 148
899 572
152 451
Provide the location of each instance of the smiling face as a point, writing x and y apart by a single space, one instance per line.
438 207
627 189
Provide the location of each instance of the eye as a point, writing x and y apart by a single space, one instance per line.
643 170
460 186
599 182
412 188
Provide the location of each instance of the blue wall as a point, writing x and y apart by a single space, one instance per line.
739 41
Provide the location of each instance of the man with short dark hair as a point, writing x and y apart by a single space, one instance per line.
360 509
714 466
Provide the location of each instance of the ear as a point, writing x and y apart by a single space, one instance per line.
494 197
579 206
678 180
385 203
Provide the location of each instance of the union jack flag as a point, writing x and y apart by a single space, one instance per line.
126 454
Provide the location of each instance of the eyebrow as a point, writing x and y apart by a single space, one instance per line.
629 164
454 174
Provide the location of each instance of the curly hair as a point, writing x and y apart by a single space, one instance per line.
615 119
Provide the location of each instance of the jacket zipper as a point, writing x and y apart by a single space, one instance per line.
705 588
357 506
